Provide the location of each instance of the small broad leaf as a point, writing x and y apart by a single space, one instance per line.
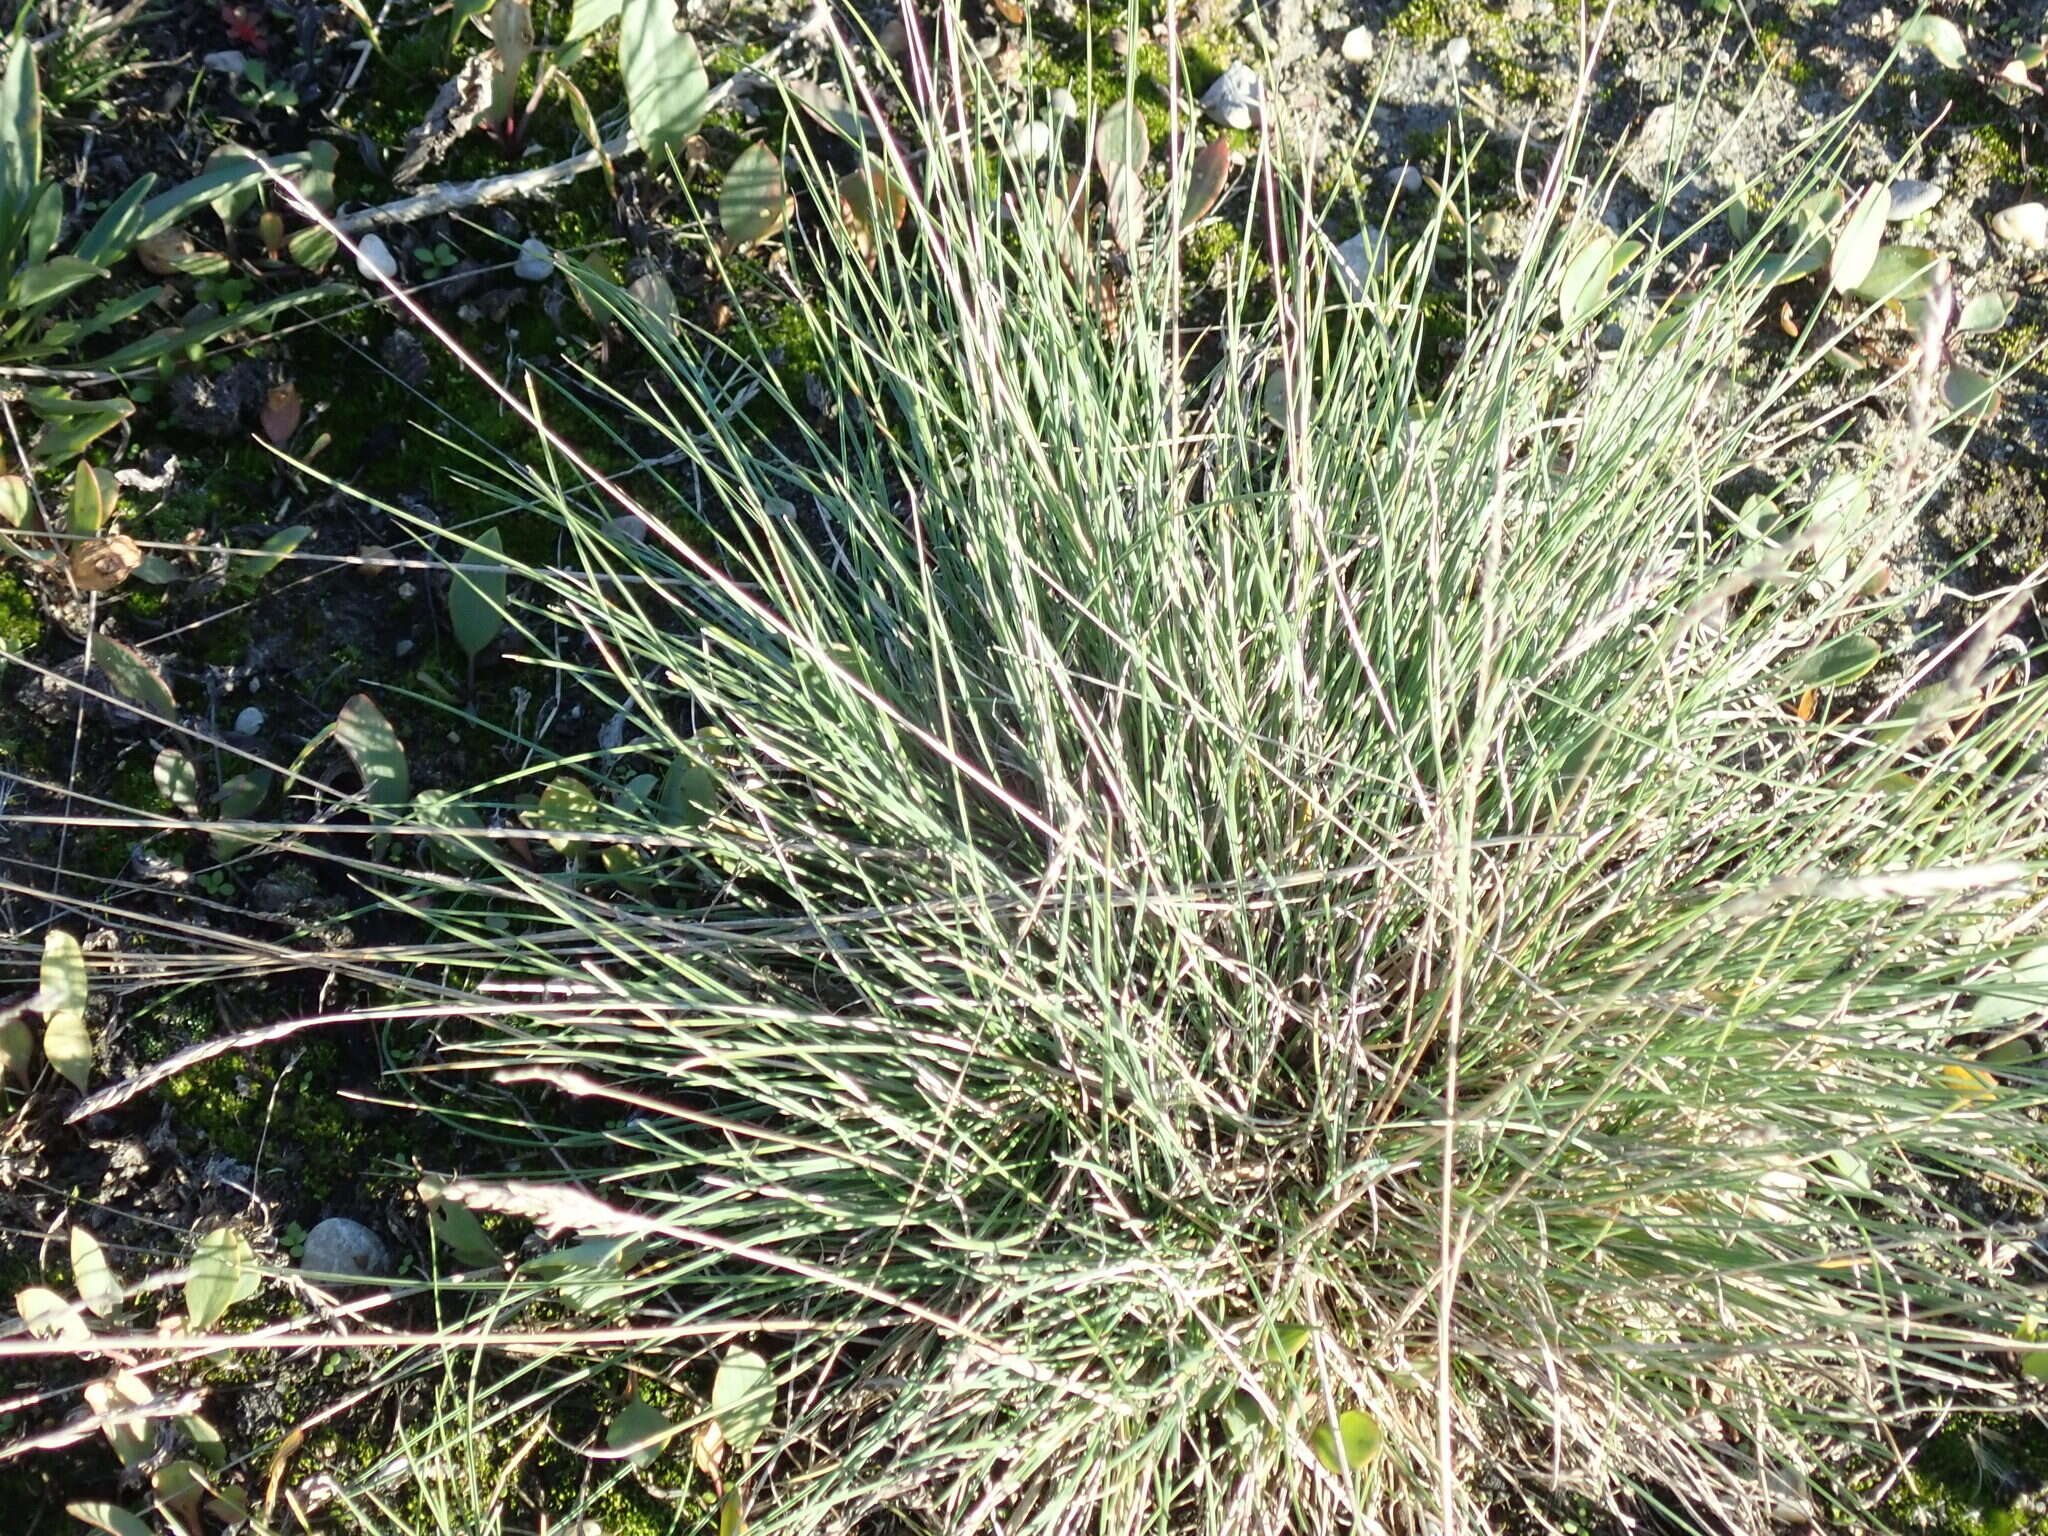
1122 140
1971 1085
240 797
1349 1445
641 1428
275 550
1124 205
457 1229
1207 176
1835 664
1582 288
131 1437
68 433
688 795
872 205
445 809
1969 394
223 1273
1984 312
17 1044
206 1440
832 109
753 202
131 676
366 736
566 805
312 248
1286 1341
743 1398
62 982
178 1488
476 595
177 780
1898 272
110 1518
1939 36
667 91
588 16
590 1275
93 1276
2019 992
49 1316
48 281
1856 247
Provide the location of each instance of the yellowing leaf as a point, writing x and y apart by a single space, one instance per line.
132 1438
566 805
1349 1445
61 1001
1971 1085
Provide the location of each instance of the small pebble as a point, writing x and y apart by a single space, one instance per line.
249 721
342 1249
374 259
1457 51
535 262
988 47
1063 104
1357 45
1910 198
1031 140
1236 100
2023 224
1120 42
1406 178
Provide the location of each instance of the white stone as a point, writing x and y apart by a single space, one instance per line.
229 61
1457 52
1406 178
1911 198
340 1249
1236 100
374 259
1359 259
249 721
535 262
2023 224
1063 104
1031 140
1357 45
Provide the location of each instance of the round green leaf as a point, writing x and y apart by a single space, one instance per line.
223 1272
743 1398
1837 663
753 202
1856 247
1354 1441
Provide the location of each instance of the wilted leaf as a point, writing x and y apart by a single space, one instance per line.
100 565
829 107
133 678
1856 247
110 1518
566 805
457 1229
1939 36
1836 663
366 736
476 595
92 1275
667 90
1354 1441
49 1316
274 550
641 1427
1124 205
753 203
1207 175
223 1273
743 1398
872 206
281 412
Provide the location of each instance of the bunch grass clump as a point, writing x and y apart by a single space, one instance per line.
1182 894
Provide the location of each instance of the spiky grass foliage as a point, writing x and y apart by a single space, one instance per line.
1155 883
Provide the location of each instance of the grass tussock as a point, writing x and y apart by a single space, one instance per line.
1199 875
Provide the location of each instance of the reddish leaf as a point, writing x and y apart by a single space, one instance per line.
1206 180
281 412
